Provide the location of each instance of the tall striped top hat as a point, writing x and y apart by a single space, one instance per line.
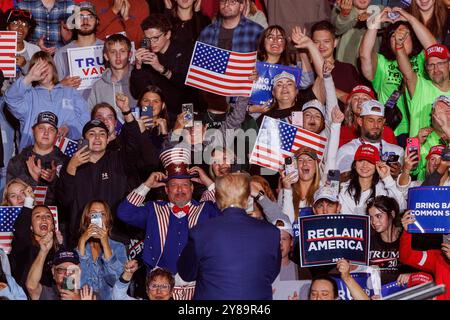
176 162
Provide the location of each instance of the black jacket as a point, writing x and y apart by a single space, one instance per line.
17 168
110 179
176 59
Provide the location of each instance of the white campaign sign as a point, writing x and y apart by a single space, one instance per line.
86 63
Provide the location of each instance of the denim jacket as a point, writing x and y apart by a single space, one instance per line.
103 274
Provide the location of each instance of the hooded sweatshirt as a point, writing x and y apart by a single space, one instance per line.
104 90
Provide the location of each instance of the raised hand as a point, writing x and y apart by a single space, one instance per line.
142 56
403 278
288 180
198 5
255 188
403 15
80 157
328 66
29 192
117 6
300 39
41 44
343 266
203 178
383 169
46 242
336 115
400 37
129 269
87 293
411 160
168 4
407 219
37 71
346 7
125 11
154 180
376 19
122 102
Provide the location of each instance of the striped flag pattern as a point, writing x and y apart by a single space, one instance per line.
67 146
221 71
40 192
278 140
8 49
8 216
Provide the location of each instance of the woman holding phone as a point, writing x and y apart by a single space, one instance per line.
101 258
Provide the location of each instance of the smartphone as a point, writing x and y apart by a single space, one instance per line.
297 118
96 218
413 145
145 43
446 154
82 143
189 117
290 165
333 180
68 283
392 158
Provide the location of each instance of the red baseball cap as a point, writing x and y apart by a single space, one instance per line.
419 278
437 50
361 89
367 152
435 150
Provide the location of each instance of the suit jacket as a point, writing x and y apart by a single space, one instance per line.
232 257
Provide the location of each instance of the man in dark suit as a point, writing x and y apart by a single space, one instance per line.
232 256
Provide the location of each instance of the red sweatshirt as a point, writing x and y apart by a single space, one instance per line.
431 261
111 23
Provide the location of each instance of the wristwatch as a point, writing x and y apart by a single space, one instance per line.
260 195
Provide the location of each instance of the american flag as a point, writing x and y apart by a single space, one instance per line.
8 216
8 48
221 71
278 140
40 192
67 146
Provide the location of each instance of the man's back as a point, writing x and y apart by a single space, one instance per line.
237 256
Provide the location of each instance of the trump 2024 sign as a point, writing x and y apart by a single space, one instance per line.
324 239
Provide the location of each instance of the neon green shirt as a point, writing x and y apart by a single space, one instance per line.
421 103
387 79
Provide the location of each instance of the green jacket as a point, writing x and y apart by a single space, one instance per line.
347 49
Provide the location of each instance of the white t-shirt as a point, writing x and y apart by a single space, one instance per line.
346 153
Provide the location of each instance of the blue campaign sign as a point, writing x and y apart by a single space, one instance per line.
262 88
362 278
431 208
324 239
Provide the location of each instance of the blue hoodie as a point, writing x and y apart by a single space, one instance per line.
25 102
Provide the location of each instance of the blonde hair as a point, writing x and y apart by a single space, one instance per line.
5 201
233 190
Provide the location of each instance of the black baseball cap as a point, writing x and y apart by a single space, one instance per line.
47 117
94 124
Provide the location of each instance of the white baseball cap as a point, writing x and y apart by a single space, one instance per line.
286 226
284 75
314 104
325 193
372 108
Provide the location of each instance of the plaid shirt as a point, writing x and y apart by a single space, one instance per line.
245 36
47 21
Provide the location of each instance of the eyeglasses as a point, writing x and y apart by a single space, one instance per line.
19 13
273 38
162 287
230 2
155 38
432 66
17 24
87 16
61 270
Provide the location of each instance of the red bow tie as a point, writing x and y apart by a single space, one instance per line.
177 209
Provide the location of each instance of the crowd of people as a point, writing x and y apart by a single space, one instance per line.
157 202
